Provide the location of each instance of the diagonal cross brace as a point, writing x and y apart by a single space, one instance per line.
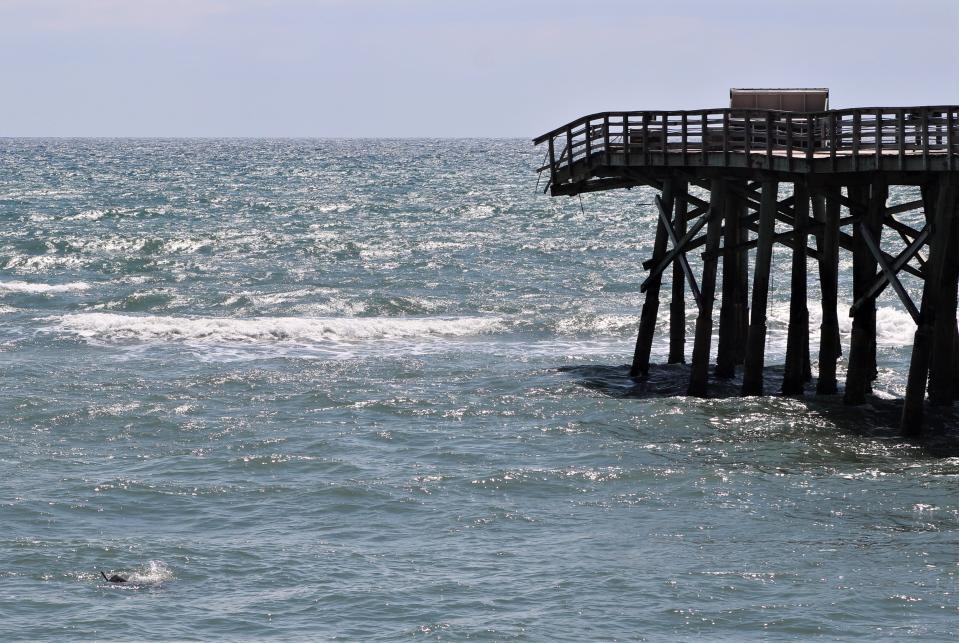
880 282
889 272
678 251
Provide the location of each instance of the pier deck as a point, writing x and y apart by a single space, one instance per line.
841 164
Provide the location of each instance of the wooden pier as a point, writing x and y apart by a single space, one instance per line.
841 165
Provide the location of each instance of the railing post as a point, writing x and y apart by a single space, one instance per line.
789 141
769 141
588 134
646 157
704 138
950 126
901 137
569 150
747 144
832 141
878 139
810 140
725 138
626 139
665 137
856 133
552 160
606 137
925 139
685 138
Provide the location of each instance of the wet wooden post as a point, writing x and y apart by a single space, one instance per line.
955 365
862 339
797 341
827 209
756 341
933 293
731 308
647 321
699 375
938 395
941 367
742 288
876 215
677 305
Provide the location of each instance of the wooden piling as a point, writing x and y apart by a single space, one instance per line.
797 340
877 215
742 285
941 366
955 366
731 307
704 322
756 339
862 339
677 305
647 321
827 210
933 294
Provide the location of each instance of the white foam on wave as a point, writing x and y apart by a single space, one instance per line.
87 215
24 287
603 324
42 263
107 327
154 573
894 326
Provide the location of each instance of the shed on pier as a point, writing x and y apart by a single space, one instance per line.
807 99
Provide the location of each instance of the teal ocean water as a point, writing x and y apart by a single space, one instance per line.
373 389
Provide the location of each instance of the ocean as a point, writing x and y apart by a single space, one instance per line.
376 389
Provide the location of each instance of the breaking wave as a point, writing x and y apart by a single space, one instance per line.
110 327
24 287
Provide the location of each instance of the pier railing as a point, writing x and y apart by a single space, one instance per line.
713 136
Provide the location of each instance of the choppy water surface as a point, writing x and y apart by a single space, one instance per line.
370 389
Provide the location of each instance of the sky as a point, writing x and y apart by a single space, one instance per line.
446 68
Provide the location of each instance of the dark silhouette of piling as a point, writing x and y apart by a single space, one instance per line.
756 339
704 322
797 339
859 373
827 208
677 305
647 322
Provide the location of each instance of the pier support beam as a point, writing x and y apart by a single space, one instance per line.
704 322
733 311
756 339
797 341
936 296
830 347
677 305
862 343
647 321
941 367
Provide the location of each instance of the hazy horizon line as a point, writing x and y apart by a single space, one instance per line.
256 137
